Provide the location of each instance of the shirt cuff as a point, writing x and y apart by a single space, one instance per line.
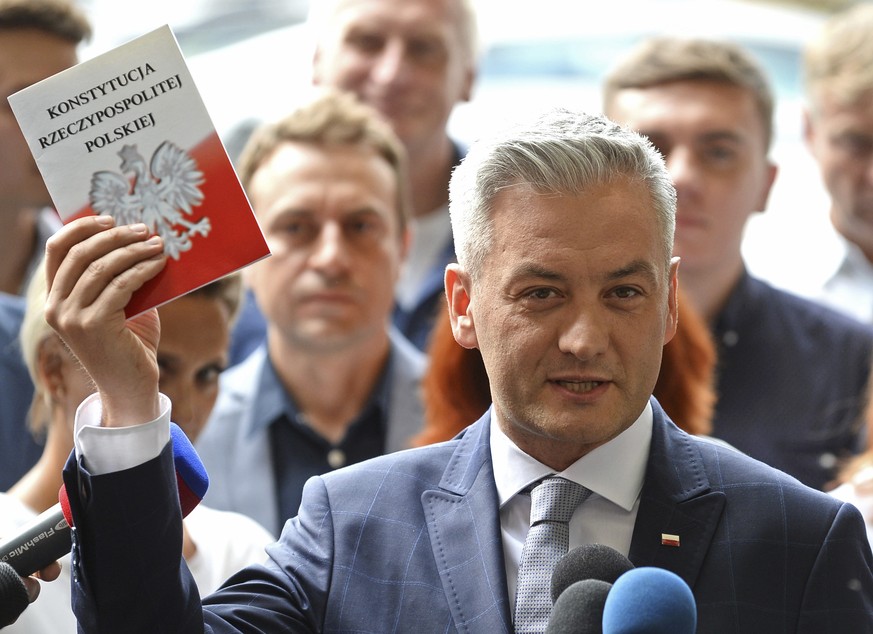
109 449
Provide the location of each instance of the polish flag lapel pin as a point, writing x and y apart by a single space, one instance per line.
669 540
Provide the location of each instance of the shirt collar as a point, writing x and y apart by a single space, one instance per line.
615 470
273 400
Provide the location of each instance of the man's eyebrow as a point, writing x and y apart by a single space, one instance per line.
637 267
527 269
724 135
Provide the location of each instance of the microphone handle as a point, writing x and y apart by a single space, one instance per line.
45 539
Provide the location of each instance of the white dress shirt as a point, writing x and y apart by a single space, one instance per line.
614 472
429 236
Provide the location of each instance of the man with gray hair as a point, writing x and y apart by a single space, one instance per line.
413 61
566 283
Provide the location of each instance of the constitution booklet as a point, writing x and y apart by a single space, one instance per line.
127 134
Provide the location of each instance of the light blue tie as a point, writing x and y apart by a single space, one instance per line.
553 502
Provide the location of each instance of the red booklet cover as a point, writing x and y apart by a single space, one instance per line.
127 134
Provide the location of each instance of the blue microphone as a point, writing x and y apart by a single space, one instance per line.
649 600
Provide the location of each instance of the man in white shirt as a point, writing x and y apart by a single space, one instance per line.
838 128
566 284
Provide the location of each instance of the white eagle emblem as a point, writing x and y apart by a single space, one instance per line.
158 195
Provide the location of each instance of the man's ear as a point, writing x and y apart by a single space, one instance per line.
50 368
672 322
315 69
458 287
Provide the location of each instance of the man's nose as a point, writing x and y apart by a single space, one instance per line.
391 63
587 335
682 167
330 251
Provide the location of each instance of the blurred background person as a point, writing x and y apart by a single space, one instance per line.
38 38
19 451
854 482
192 353
791 375
334 383
195 331
413 61
838 130
456 391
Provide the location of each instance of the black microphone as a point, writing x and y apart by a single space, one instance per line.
650 600
589 561
581 582
13 595
47 538
41 541
579 609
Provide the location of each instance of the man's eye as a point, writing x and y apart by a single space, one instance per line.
720 154
296 229
425 50
361 226
541 293
856 145
625 292
367 42
209 375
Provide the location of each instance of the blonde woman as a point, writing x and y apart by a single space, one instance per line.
192 353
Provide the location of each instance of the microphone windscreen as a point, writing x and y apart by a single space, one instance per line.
190 473
65 504
650 600
579 609
589 561
13 595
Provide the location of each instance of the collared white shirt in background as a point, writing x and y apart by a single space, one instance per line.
429 236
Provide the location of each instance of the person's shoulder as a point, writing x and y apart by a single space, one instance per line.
238 385
250 366
733 471
406 460
11 316
419 466
812 313
207 519
409 360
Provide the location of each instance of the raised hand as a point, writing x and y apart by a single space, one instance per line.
92 269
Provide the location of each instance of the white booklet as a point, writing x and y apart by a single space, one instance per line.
127 134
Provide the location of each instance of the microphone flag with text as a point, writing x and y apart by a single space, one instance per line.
47 537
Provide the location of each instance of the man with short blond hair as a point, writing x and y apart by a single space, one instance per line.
791 375
334 383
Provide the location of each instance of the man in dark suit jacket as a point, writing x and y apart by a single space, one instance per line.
566 284
792 374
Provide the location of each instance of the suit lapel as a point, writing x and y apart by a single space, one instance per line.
464 527
676 501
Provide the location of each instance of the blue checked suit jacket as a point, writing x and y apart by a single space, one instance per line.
410 542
